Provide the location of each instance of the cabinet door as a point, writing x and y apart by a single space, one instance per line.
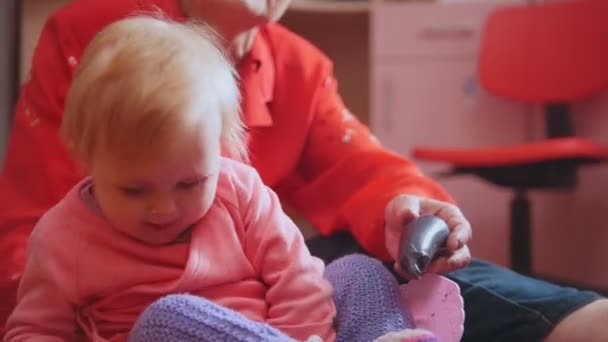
437 29
436 102
439 103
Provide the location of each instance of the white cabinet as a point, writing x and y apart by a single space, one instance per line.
424 93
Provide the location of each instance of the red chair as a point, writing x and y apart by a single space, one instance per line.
551 55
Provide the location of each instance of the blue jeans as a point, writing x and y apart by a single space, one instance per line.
500 305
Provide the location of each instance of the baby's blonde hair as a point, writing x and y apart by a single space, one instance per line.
134 89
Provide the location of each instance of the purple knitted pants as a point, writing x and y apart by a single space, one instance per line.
366 296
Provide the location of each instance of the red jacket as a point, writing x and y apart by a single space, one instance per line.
304 142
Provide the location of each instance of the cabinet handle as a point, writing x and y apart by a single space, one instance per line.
446 32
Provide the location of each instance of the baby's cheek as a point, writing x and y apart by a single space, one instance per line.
126 213
192 206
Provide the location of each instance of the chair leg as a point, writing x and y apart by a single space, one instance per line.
521 244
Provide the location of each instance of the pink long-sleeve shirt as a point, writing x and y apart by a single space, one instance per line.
83 277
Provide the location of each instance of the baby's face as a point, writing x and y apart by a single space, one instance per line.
155 197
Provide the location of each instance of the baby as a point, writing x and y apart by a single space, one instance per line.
172 222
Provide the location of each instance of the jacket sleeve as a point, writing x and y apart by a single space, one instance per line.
346 178
45 309
37 170
300 301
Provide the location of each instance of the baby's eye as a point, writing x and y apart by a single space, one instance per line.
189 184
133 191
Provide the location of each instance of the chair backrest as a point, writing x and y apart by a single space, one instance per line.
546 54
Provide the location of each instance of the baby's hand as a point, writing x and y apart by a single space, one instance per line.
314 338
